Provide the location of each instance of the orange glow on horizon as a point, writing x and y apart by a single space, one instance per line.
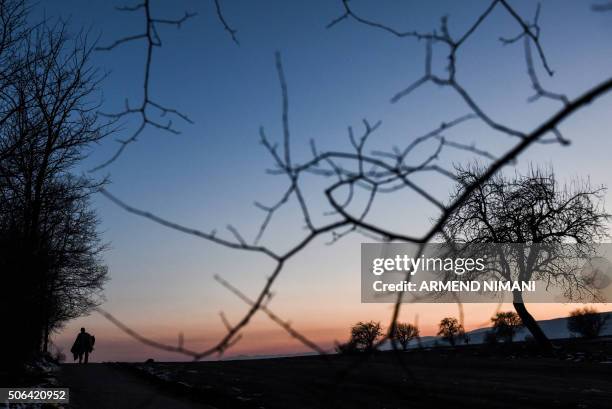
264 338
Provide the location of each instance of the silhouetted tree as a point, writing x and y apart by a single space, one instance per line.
586 321
404 333
347 348
14 31
49 246
365 334
506 324
538 218
450 329
76 270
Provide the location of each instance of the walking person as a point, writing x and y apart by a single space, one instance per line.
83 346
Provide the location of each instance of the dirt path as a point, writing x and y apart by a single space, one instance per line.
100 386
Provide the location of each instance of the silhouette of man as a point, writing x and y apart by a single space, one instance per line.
82 346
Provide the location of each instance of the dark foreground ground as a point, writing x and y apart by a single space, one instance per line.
102 386
470 377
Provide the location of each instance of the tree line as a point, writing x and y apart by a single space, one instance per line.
50 246
584 322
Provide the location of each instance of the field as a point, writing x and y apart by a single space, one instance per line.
468 377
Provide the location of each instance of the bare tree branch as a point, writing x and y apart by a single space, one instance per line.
380 172
226 26
149 112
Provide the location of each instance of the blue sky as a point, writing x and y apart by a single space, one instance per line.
211 173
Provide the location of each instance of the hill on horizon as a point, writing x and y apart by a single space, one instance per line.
555 328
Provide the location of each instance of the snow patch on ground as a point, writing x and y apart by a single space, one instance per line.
47 370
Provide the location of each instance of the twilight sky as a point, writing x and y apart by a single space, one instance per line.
209 176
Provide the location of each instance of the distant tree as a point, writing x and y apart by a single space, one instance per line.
535 219
347 348
450 329
404 333
365 334
506 324
586 321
